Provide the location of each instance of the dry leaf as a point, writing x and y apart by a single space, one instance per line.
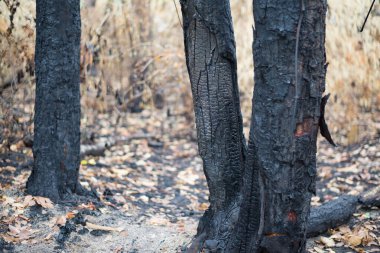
22 233
61 220
159 221
345 229
327 241
70 215
118 249
90 206
9 201
26 219
10 239
105 228
3 25
203 206
119 199
49 236
319 250
29 201
354 240
44 202
13 230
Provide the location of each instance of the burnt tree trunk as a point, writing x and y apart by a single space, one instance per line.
140 34
57 106
211 61
290 70
269 213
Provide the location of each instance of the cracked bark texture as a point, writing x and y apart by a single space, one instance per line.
285 118
211 61
57 106
269 212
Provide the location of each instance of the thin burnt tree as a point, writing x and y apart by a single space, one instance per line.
259 195
56 145
140 35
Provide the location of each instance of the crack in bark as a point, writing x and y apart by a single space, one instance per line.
260 195
56 146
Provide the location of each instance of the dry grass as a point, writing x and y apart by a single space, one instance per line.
353 76
119 41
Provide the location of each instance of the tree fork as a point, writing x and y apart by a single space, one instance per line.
269 212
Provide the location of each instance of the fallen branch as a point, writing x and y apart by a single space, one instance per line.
330 215
371 198
339 211
99 148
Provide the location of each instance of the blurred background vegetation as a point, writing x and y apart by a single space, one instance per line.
133 61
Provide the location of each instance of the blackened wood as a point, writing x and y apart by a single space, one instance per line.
371 198
279 172
331 215
211 62
325 132
289 82
102 145
57 107
338 211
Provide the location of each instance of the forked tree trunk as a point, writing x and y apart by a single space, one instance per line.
57 107
269 212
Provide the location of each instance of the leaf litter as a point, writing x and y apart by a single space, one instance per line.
148 197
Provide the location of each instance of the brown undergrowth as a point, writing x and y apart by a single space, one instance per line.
154 188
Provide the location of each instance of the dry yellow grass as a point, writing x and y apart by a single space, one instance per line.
353 75
110 38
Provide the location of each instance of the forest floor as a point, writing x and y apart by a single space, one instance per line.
148 193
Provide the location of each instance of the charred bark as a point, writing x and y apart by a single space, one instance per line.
371 198
269 212
289 66
338 211
211 62
330 215
57 106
